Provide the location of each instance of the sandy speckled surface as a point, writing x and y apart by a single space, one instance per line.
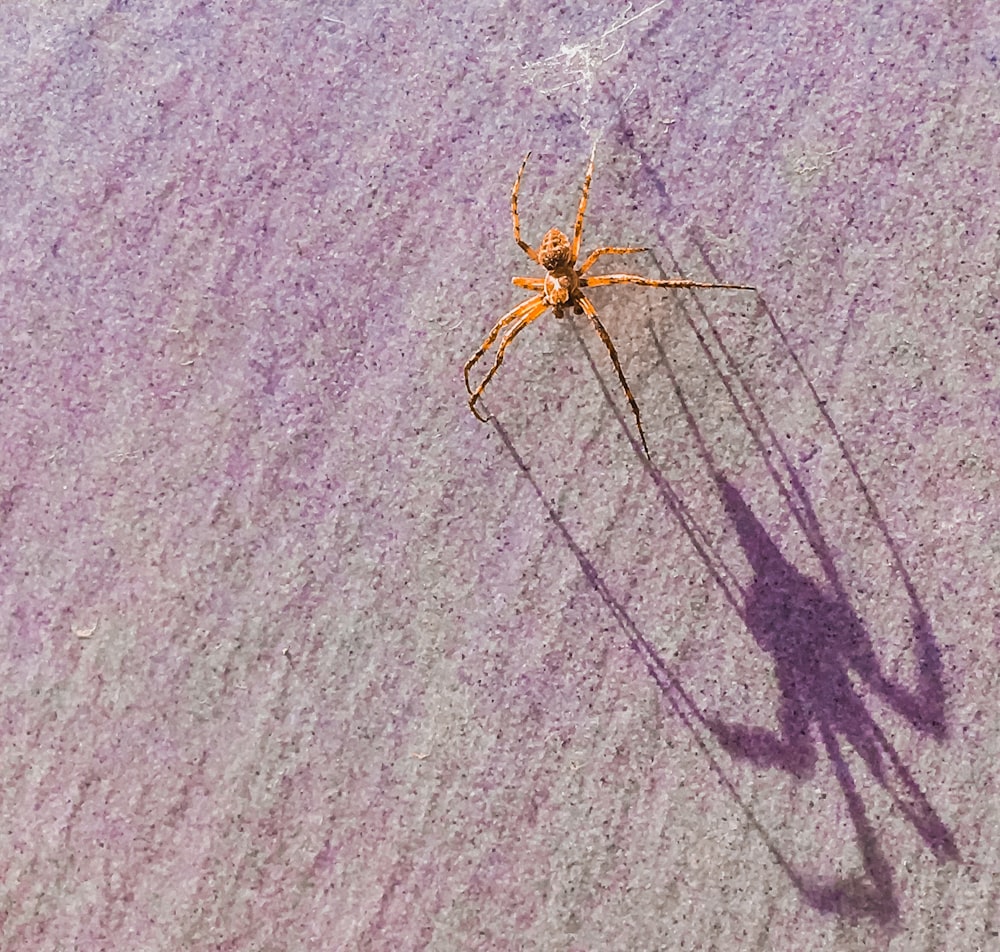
298 655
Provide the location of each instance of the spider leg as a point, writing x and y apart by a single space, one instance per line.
525 247
540 307
594 255
591 312
578 227
531 284
518 312
604 279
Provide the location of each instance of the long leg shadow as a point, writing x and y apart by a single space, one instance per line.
663 676
876 900
816 641
924 708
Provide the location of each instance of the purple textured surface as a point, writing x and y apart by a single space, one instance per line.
300 655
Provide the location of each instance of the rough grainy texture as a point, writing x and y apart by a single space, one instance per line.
299 655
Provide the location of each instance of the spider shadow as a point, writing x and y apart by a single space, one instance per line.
665 678
815 640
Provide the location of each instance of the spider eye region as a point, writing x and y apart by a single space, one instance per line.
559 287
554 251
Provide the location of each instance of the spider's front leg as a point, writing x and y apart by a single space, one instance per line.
523 315
591 312
603 280
509 318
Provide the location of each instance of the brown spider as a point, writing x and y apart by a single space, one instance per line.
562 287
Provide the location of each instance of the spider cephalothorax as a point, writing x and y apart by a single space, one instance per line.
562 287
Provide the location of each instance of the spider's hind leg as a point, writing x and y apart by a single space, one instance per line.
594 255
578 227
525 247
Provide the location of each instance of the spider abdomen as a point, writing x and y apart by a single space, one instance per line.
554 251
